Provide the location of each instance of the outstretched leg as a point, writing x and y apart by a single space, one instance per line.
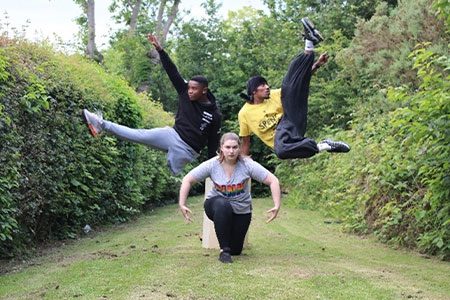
179 153
295 91
166 139
159 138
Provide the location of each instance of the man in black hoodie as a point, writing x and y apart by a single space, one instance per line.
197 122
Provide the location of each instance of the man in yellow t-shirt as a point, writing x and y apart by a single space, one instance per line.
262 118
279 118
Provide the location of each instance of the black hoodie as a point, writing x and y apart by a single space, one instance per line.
197 124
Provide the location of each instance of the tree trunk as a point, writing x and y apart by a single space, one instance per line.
134 16
159 18
91 48
162 28
170 19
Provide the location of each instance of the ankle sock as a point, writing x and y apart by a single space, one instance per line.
323 147
309 46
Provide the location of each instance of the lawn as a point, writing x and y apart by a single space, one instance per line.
159 256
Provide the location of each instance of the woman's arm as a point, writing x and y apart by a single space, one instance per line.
186 184
272 181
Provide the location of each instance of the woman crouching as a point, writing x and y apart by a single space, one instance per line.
229 203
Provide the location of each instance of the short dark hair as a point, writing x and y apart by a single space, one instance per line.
252 84
200 79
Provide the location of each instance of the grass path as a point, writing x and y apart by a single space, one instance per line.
297 256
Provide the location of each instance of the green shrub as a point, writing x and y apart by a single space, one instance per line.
55 178
395 182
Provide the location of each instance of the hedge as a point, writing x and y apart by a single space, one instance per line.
55 178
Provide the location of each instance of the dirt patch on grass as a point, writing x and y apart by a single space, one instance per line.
269 271
301 273
155 293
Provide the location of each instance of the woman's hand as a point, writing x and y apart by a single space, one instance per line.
272 181
186 184
273 212
186 213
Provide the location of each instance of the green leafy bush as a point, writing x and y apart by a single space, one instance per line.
55 178
423 127
395 181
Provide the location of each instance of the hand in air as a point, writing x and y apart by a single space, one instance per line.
154 41
323 59
272 214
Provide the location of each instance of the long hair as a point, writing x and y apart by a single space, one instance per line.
225 137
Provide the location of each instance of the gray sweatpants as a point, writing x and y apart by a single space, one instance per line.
166 139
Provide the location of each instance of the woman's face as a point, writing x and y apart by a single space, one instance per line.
230 149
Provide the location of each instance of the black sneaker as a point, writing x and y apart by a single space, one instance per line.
311 33
225 257
337 146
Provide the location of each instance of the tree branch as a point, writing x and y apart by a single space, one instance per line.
170 19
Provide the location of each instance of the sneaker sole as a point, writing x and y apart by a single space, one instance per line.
339 150
312 29
308 24
342 149
91 128
318 35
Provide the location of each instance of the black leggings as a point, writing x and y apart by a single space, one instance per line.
290 140
230 227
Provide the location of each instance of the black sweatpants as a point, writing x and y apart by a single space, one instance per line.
290 140
230 228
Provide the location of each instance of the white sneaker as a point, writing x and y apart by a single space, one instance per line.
93 122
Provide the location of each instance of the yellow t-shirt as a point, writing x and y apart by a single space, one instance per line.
261 119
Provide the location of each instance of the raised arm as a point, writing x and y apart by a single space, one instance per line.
272 181
168 65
